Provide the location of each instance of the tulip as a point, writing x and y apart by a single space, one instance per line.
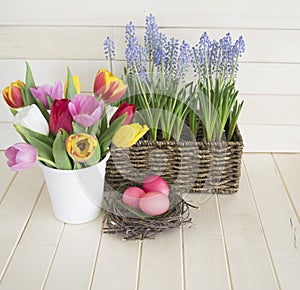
32 118
128 135
81 146
55 92
86 110
76 82
108 87
123 109
21 156
60 117
13 95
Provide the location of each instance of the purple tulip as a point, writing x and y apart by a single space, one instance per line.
86 110
21 156
55 92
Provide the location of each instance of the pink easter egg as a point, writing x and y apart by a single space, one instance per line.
155 183
154 203
132 195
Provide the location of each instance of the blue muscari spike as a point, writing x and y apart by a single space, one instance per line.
109 48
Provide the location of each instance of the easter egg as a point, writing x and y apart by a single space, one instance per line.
155 183
132 195
154 203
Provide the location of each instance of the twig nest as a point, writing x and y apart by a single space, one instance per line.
133 224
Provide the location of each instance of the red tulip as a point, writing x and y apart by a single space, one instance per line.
124 108
60 117
13 95
108 87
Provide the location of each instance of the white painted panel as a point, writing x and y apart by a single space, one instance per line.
78 42
270 138
270 110
204 252
289 168
9 136
6 176
280 224
161 262
72 266
248 257
253 78
53 42
192 12
15 210
117 264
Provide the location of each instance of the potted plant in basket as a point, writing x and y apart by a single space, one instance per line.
193 139
70 135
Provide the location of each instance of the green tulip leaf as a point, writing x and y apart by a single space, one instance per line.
29 77
60 153
77 129
39 141
95 158
23 131
106 138
71 91
13 111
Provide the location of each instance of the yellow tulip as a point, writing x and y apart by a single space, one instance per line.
128 135
76 82
81 146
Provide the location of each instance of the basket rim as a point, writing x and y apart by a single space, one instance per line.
237 136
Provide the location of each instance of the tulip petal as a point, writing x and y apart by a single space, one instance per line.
21 156
128 135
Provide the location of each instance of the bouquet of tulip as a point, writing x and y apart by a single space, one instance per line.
65 129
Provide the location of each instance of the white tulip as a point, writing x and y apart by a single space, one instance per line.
32 118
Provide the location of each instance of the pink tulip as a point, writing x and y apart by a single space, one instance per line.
21 156
86 110
54 92
123 109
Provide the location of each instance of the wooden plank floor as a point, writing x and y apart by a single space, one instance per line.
249 240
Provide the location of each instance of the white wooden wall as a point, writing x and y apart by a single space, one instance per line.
54 34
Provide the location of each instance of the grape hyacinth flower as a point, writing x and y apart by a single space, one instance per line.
21 156
171 65
132 49
109 50
217 59
85 110
184 60
151 38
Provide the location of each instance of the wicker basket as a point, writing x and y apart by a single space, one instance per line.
187 166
